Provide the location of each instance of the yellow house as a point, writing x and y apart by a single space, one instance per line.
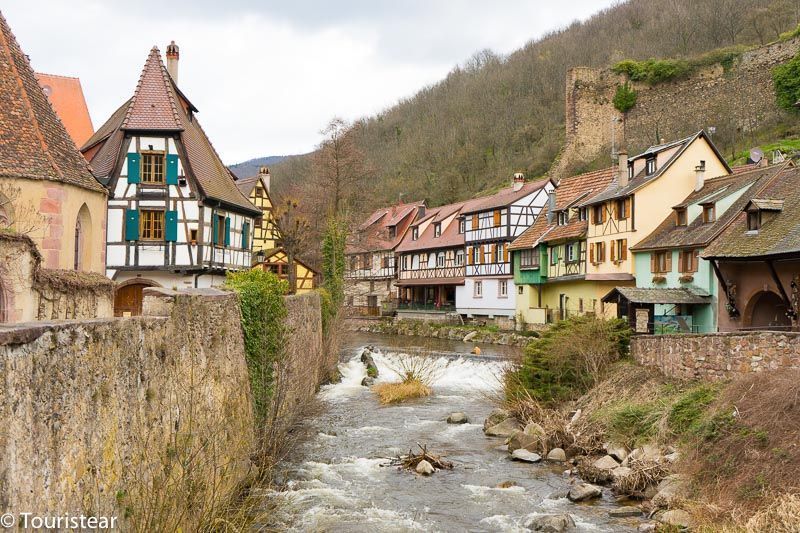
641 196
267 254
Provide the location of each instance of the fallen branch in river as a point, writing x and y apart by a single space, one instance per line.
411 460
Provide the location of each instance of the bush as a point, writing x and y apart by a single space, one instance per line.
625 98
654 71
569 358
786 79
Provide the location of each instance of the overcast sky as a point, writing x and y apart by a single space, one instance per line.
268 75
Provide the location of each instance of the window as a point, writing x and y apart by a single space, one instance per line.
651 166
462 225
623 208
520 290
193 236
529 258
660 262
571 252
393 232
583 214
437 229
709 213
259 191
151 225
440 260
78 246
754 220
220 230
563 218
459 257
414 233
598 215
554 255
688 261
478 289
502 288
619 250
597 252
476 255
498 253
680 216
153 168
630 171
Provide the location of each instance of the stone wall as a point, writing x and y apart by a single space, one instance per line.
735 101
718 355
425 328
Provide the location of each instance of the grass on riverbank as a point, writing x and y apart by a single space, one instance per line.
389 393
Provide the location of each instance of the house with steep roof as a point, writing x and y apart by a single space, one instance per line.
756 258
640 197
47 190
65 94
491 223
175 215
676 290
370 269
549 259
267 253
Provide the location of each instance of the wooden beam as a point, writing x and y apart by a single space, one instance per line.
790 309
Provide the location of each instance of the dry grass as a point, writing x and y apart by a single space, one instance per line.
644 473
782 516
389 393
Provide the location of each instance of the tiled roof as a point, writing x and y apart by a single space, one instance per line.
569 192
697 233
169 110
504 197
246 185
450 236
33 142
66 96
780 231
374 235
767 205
658 296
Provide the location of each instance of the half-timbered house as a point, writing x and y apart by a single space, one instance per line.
550 257
175 215
637 201
491 223
370 269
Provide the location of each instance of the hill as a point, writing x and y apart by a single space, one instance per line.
249 168
494 115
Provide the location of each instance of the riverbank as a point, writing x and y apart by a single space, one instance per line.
419 328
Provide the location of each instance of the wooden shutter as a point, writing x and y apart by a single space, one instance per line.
215 229
227 231
604 213
613 250
172 169
624 247
602 246
695 260
493 253
628 204
591 253
496 217
131 224
133 169
668 261
505 254
470 256
171 226
653 265
475 221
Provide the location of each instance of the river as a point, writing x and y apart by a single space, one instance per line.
336 481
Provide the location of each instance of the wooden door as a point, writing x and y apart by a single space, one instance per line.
128 300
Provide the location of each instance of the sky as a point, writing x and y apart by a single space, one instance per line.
267 76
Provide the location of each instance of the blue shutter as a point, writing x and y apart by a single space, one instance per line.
214 229
227 231
172 169
131 224
133 168
171 229
246 235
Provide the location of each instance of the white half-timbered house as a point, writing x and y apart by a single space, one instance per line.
490 225
175 215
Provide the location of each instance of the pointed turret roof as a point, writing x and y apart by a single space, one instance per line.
153 105
33 142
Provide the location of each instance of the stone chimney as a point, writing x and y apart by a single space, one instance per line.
551 206
172 61
519 181
263 173
700 175
622 168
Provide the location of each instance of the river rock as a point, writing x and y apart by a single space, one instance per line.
469 336
584 491
676 517
606 463
647 527
476 351
668 491
620 472
534 429
558 494
521 440
616 451
506 485
552 523
648 452
494 418
425 468
672 457
457 418
557 455
525 456
506 428
625 512
367 381
366 356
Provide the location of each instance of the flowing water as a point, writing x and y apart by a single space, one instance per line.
337 481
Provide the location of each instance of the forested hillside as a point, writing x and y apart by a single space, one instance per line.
494 115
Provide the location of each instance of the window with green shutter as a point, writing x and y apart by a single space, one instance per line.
246 235
172 169
133 168
131 225
171 229
215 229
227 231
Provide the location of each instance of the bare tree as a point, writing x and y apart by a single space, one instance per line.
17 215
294 235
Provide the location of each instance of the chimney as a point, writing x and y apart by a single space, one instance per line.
700 175
551 206
519 181
263 173
622 168
172 61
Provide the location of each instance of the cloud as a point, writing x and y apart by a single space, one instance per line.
267 76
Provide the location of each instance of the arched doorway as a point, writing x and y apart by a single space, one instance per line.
82 249
766 310
128 297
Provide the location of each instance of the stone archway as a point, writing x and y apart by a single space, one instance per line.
128 296
766 310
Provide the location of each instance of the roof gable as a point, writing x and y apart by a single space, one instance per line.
65 94
153 106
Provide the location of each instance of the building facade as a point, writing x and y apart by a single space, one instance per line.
175 215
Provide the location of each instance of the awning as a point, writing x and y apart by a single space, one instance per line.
656 296
433 282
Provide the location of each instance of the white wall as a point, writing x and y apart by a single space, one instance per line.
490 303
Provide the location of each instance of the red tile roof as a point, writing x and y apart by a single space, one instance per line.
374 235
504 197
33 142
66 96
153 105
450 236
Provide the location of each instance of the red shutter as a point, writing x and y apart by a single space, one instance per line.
591 253
668 268
496 217
475 221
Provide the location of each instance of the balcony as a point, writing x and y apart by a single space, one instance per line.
427 307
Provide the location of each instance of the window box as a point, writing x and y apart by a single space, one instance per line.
686 278
659 279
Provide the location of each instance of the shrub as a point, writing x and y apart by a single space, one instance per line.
389 393
569 358
786 79
624 98
416 376
686 414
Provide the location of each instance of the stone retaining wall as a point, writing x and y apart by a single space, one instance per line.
718 355
419 328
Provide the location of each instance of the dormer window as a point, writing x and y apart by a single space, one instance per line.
680 216
630 171
392 232
462 226
437 229
754 220
153 167
709 213
650 167
583 214
563 218
414 233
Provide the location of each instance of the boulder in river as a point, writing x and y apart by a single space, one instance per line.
506 485
616 451
522 441
506 428
425 468
584 491
525 456
625 512
496 416
676 517
606 463
551 523
476 351
457 418
469 336
557 455
669 490
367 381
